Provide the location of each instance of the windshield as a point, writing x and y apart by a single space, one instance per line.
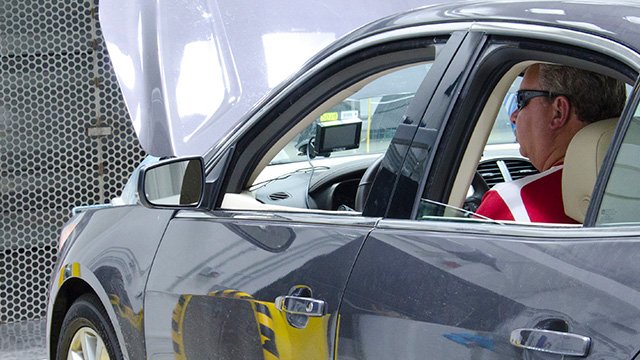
380 106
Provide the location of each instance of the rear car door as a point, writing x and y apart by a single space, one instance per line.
463 288
217 275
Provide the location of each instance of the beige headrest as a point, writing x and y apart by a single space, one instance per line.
581 165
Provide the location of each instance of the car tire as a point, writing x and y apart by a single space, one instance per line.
86 329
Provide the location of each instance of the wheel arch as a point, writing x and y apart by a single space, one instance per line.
69 292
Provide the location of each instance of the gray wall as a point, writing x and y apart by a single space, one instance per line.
56 85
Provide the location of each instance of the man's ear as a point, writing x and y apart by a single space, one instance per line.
562 109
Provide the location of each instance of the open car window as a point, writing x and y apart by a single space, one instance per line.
491 156
320 165
312 143
379 106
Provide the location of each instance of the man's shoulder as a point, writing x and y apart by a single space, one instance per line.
551 175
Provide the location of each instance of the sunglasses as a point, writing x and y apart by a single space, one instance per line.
521 98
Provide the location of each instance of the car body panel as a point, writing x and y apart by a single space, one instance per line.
242 263
469 289
618 21
113 256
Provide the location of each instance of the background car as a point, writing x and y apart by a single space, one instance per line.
252 251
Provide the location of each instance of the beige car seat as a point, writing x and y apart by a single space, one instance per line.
582 162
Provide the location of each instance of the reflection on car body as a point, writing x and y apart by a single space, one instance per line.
262 250
264 330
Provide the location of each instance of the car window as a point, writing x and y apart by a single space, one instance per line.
379 105
491 159
310 146
621 200
302 175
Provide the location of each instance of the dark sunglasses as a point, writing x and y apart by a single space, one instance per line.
524 96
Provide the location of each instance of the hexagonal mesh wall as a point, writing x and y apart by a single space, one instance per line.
56 82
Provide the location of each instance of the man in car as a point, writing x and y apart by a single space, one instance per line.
554 102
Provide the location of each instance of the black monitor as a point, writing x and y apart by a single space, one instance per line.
337 135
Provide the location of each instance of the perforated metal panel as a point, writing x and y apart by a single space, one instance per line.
65 138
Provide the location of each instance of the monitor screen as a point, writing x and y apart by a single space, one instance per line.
337 135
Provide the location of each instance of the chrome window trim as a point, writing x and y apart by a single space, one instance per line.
571 37
510 230
306 217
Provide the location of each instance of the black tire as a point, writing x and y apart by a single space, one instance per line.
87 312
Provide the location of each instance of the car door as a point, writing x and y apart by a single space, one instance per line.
265 281
448 287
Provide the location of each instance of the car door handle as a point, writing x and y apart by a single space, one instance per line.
552 342
301 305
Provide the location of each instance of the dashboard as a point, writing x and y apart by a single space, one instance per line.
332 184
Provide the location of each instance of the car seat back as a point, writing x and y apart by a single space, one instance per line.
582 163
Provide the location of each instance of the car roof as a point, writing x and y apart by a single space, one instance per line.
616 20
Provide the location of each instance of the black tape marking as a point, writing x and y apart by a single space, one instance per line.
270 343
261 308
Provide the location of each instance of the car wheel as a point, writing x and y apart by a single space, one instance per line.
86 333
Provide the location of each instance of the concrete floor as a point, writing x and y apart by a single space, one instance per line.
23 341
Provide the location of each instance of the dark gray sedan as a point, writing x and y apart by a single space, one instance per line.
336 220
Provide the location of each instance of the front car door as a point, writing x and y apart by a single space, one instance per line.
261 275
452 286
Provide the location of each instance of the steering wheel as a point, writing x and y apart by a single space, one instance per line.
480 187
364 186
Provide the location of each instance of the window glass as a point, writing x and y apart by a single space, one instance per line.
621 200
321 166
379 105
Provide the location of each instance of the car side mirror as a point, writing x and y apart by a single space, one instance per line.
175 183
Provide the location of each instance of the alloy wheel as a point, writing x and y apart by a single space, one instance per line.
87 345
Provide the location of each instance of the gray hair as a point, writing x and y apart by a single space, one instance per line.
594 96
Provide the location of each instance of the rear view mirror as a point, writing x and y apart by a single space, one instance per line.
175 183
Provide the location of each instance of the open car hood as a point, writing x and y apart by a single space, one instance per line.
190 69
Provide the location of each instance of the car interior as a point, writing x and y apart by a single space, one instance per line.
293 177
582 161
330 182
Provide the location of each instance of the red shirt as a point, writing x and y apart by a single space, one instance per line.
535 198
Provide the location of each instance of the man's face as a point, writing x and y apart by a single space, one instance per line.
532 120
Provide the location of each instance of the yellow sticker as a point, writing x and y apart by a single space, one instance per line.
329 116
